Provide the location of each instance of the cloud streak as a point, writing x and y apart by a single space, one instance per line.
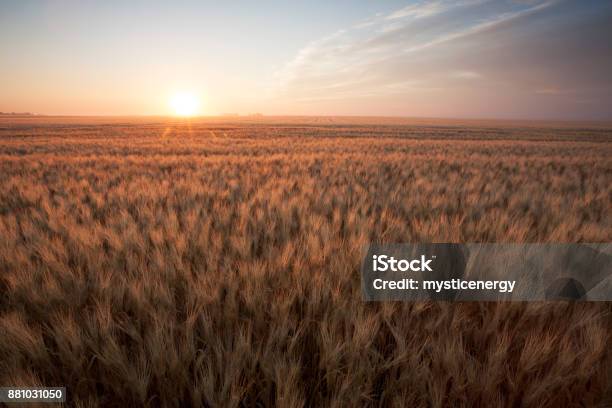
475 57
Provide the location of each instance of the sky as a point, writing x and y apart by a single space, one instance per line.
507 59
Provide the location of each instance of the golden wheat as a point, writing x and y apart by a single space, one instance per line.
207 263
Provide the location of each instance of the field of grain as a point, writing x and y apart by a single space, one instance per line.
152 262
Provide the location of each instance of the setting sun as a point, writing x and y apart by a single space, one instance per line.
185 104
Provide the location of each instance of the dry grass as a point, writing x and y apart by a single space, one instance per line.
212 263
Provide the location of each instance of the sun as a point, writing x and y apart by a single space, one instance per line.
185 103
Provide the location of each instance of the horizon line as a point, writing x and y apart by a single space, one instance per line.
263 115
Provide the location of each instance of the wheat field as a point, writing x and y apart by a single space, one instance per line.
215 262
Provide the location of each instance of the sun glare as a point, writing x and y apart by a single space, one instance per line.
185 104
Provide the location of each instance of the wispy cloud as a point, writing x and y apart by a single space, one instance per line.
362 56
445 46
418 10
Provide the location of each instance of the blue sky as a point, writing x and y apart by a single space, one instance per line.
546 59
